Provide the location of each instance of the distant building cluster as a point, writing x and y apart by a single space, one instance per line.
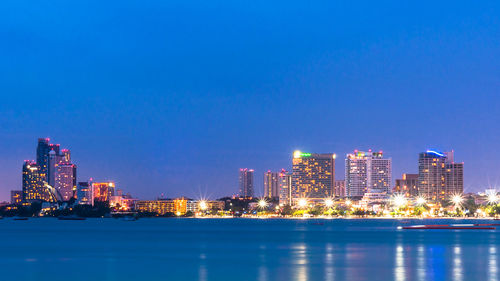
52 181
368 178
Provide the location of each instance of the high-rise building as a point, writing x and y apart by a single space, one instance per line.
65 181
407 185
34 186
339 189
313 176
439 177
271 184
367 171
285 187
16 197
246 187
84 193
43 157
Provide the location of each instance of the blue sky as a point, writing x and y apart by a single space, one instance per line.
174 97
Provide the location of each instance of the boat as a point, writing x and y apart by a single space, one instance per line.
451 226
71 218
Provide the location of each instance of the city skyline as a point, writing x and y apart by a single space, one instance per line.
50 150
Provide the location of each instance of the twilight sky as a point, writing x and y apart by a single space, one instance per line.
174 97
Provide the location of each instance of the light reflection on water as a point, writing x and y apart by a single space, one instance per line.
242 249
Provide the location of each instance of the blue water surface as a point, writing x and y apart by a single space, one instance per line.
244 249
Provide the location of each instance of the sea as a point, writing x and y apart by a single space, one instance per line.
245 249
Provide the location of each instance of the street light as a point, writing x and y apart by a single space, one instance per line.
420 200
262 203
348 202
493 198
398 200
328 202
302 203
457 199
203 205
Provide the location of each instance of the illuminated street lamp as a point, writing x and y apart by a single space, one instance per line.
457 199
262 203
398 200
302 203
420 200
493 198
328 202
203 205
348 202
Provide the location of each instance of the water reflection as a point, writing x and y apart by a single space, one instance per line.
421 272
399 268
263 264
457 264
329 270
492 263
300 258
202 270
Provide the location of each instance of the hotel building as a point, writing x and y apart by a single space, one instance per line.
162 206
439 177
313 176
366 171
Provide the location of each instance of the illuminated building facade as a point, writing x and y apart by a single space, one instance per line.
34 187
246 183
271 184
65 181
84 193
313 176
407 185
102 191
285 187
367 171
439 177
16 197
162 206
204 205
339 189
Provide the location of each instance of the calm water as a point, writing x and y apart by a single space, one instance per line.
243 249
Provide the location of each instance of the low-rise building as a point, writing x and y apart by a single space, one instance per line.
162 206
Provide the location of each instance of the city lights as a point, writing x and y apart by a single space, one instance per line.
348 202
457 199
262 203
203 205
493 198
398 200
302 202
420 200
328 202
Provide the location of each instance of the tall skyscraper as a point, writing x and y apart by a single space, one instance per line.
56 169
285 187
43 154
271 184
367 171
407 185
34 186
313 176
246 187
439 177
